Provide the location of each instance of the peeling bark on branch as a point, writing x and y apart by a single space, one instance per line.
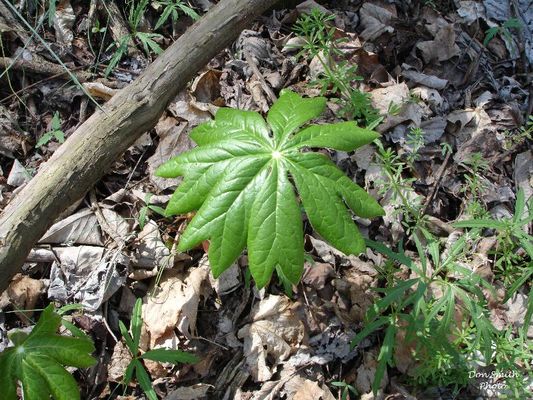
89 153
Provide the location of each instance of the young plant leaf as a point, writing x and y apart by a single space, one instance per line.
239 180
170 356
38 359
136 324
144 380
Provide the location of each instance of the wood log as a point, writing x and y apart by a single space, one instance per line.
91 150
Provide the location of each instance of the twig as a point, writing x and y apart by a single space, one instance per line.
436 184
39 65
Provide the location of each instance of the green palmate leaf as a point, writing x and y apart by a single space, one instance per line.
291 111
328 215
37 362
240 179
275 230
343 136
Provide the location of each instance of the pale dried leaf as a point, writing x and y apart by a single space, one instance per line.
194 392
18 175
23 293
309 390
63 20
174 303
275 331
120 360
173 142
442 48
89 275
79 228
151 250
375 21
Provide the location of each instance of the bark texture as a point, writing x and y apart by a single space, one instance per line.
88 154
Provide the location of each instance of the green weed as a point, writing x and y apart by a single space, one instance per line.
55 133
135 367
504 30
339 77
172 9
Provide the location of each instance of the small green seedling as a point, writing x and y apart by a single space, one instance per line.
97 28
56 132
344 389
143 213
38 360
504 30
238 180
171 10
339 76
160 355
135 14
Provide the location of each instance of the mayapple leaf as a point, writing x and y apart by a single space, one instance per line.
247 177
290 112
344 136
38 361
275 229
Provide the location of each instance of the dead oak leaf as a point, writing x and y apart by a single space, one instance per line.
442 48
274 332
175 303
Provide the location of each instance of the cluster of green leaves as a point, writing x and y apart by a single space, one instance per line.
135 13
426 320
444 344
56 132
474 180
344 389
514 138
504 30
238 180
172 9
514 269
339 77
38 359
415 141
398 187
136 367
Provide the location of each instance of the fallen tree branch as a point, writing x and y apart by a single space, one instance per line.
91 150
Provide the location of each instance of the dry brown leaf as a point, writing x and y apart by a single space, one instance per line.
120 360
79 228
87 274
316 274
23 292
206 87
151 249
198 391
442 48
275 331
175 303
18 175
375 21
173 141
99 90
366 373
309 390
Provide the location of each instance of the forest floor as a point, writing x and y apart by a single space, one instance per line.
440 301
